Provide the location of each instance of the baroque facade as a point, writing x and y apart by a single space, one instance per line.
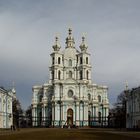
70 97
6 113
133 108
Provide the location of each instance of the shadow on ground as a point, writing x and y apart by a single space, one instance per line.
69 134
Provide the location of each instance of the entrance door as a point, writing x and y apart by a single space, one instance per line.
70 117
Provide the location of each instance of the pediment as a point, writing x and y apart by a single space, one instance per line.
70 81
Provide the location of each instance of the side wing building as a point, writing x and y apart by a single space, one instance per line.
6 103
133 108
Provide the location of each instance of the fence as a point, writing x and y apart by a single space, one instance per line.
47 122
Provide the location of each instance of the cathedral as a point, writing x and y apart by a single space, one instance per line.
70 98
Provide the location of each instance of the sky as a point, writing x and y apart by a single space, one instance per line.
28 29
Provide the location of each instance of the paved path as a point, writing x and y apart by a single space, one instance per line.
69 134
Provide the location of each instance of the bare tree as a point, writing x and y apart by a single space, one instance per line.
17 111
118 113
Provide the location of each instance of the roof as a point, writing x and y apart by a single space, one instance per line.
3 89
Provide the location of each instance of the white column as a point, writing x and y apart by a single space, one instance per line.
42 122
57 112
75 74
105 116
53 113
96 112
81 113
86 113
35 116
44 116
33 113
55 74
77 113
45 112
64 74
107 112
63 113
83 73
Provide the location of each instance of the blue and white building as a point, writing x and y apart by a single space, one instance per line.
133 108
6 114
70 97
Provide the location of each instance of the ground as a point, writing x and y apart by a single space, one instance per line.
68 134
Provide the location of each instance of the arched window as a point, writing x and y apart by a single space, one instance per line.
87 73
81 60
59 60
77 58
99 98
53 60
70 62
81 75
70 93
89 97
59 74
86 60
70 74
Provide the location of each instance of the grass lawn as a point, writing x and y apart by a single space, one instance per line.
67 134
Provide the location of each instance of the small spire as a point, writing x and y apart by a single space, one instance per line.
83 39
126 85
56 40
56 46
13 89
70 31
83 45
70 40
